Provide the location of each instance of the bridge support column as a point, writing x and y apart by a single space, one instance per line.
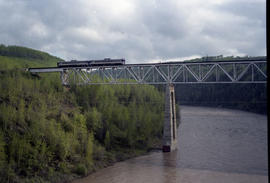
170 127
64 77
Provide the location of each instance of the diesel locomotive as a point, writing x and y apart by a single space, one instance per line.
91 63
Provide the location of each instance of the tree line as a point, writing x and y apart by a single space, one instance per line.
248 97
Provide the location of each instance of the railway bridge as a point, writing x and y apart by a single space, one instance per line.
168 73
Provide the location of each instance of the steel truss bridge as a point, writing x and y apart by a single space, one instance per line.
170 73
231 71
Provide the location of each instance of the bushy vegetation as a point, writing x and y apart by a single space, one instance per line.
52 133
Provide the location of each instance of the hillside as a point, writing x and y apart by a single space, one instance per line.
22 57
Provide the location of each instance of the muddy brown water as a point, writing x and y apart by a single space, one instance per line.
214 145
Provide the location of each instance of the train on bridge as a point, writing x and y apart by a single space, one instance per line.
91 63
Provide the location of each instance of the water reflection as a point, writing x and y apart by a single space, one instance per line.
169 167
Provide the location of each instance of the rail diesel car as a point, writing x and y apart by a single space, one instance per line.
91 63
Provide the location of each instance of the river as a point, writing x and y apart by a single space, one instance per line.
214 145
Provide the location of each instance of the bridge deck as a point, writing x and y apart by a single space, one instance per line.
45 69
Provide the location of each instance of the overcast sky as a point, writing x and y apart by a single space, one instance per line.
137 30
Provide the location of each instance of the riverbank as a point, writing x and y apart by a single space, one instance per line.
226 106
111 158
221 106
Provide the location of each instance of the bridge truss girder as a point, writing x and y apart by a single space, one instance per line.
178 73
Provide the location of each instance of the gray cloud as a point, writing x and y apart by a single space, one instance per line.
136 30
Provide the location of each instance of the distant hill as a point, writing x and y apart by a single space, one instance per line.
221 58
23 57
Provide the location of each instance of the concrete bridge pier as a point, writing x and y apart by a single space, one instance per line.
170 127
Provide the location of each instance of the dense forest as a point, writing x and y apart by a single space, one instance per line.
50 133
247 97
